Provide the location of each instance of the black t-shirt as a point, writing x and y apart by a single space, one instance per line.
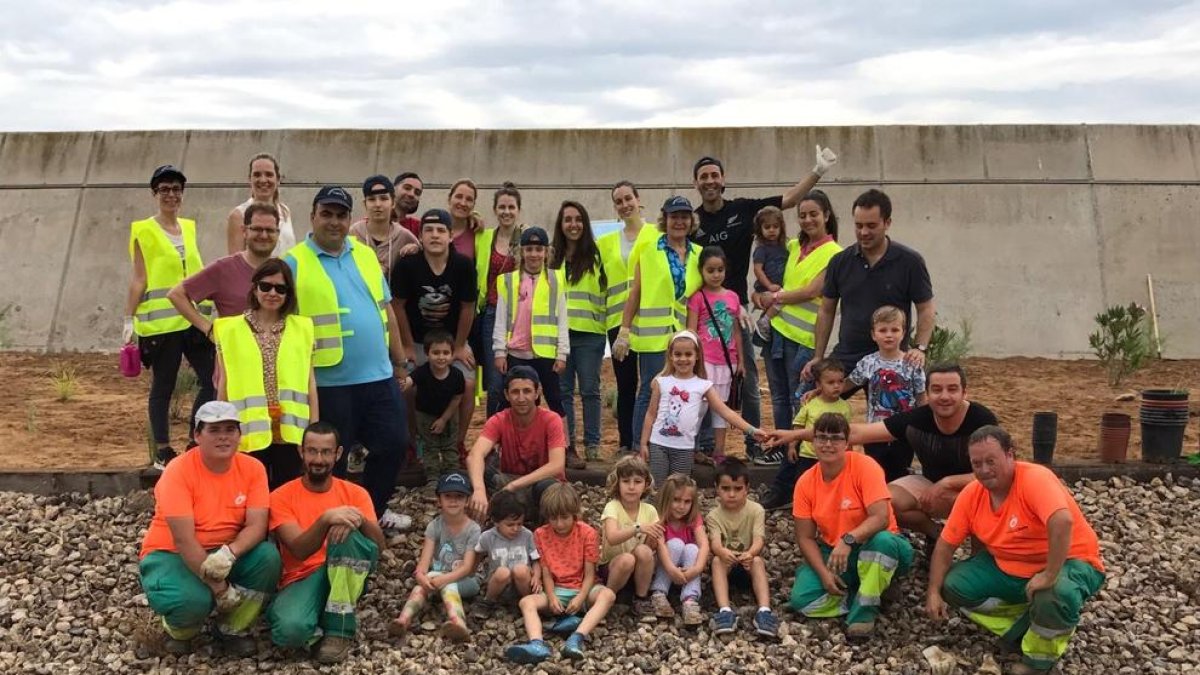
899 278
434 395
732 228
940 455
433 300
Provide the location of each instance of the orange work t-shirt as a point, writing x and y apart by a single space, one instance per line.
840 505
217 502
565 556
1016 535
292 502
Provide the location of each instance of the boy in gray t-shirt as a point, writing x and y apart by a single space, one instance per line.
512 556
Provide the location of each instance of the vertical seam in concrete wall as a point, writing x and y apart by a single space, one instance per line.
673 153
51 335
1100 244
878 153
378 142
187 142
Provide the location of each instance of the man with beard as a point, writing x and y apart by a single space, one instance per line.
330 542
408 199
938 432
226 281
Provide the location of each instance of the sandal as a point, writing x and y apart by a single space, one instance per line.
702 459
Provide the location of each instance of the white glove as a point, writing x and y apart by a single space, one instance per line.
825 160
620 346
218 563
744 318
231 598
127 331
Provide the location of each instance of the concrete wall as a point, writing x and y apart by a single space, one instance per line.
1028 230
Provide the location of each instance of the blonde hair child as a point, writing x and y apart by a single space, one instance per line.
683 550
630 531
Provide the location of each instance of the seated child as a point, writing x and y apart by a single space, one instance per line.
736 529
682 551
630 532
569 550
512 558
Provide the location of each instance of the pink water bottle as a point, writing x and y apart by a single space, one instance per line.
131 360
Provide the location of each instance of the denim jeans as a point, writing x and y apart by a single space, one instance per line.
784 361
751 400
587 351
486 323
373 414
650 364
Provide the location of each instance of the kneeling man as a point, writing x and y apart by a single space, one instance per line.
330 540
206 545
1042 559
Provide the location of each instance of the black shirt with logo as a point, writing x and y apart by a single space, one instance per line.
732 228
433 300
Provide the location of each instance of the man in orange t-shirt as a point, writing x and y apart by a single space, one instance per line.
206 545
330 541
847 532
1042 558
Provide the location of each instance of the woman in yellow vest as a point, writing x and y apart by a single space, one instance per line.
792 338
496 253
575 254
664 275
164 252
264 368
531 318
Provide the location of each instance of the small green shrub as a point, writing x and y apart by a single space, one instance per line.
946 345
1122 341
65 380
187 385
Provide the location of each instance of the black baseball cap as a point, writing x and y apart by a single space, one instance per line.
378 185
521 373
705 161
677 204
453 483
334 194
534 236
441 216
164 173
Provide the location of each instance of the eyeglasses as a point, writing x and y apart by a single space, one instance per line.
272 231
828 439
168 190
266 286
321 452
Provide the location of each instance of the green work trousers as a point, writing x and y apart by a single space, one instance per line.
184 601
872 567
323 602
997 601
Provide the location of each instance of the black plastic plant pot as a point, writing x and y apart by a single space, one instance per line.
1164 395
1161 443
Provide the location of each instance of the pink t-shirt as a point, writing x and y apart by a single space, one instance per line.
726 308
464 243
225 281
521 339
682 532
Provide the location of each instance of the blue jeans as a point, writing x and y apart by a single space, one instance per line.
751 400
486 323
784 361
650 364
587 351
373 414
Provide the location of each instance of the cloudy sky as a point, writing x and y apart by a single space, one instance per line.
139 64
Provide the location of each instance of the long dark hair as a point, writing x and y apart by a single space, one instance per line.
822 200
586 256
269 267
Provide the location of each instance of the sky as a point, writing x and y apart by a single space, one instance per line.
139 64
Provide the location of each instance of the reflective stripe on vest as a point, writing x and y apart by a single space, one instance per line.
659 314
317 297
617 272
798 322
586 304
155 315
244 385
543 327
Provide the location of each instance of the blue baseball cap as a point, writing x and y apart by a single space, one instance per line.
677 204
378 185
334 194
453 483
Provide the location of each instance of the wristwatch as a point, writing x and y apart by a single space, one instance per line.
922 348
637 529
849 540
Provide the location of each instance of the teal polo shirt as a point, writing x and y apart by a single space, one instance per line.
365 355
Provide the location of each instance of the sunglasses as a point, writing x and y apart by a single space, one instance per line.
266 286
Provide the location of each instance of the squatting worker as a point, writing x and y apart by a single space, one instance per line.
264 187
206 546
729 223
163 251
1041 558
264 367
340 286
330 542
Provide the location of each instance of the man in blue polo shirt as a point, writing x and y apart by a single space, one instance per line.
358 354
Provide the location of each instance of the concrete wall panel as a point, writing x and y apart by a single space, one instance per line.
35 226
748 153
1143 153
524 157
856 148
605 156
441 157
913 153
41 159
224 156
129 157
1015 152
329 155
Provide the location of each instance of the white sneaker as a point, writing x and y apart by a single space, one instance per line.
390 520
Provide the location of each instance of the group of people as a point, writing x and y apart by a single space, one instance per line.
308 353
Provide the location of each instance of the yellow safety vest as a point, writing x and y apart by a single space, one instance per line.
244 386
659 315
155 314
483 262
796 322
544 317
585 303
617 272
318 300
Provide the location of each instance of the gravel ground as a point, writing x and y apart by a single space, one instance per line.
70 603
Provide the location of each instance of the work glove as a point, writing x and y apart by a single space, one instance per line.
230 599
218 563
745 320
620 346
825 160
127 331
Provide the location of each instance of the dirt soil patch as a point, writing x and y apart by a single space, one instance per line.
102 424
